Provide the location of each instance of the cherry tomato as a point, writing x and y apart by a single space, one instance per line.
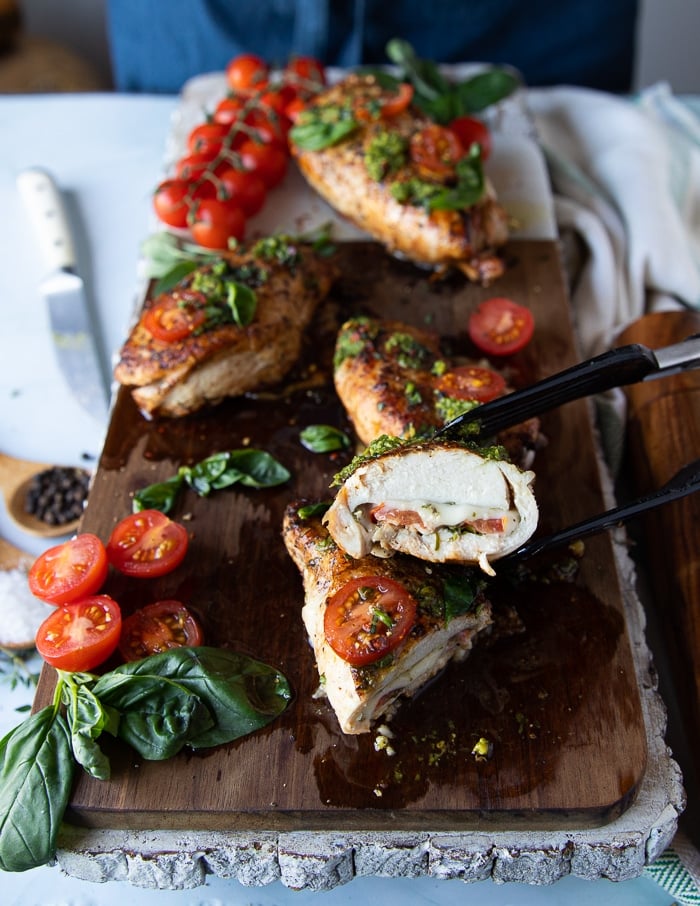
207 138
265 160
158 627
247 72
171 318
171 201
367 618
147 544
267 126
247 190
471 382
69 571
306 75
436 150
213 222
500 326
392 106
469 130
295 106
193 166
230 109
82 635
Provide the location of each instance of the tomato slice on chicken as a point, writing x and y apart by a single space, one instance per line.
82 635
147 544
171 319
158 627
500 326
69 571
435 150
368 618
471 382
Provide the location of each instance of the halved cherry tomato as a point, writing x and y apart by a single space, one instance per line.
471 382
158 627
368 618
469 130
500 326
436 150
171 201
268 161
247 190
147 544
69 571
396 104
247 72
82 635
171 319
213 222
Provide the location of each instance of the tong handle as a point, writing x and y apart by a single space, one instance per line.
614 368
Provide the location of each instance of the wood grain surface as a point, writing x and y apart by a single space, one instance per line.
559 700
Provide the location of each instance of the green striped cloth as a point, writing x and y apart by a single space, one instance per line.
677 871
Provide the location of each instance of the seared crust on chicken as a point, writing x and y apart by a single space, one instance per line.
467 238
442 631
220 358
385 374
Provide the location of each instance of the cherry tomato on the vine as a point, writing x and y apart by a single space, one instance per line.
268 161
499 326
171 201
158 627
247 72
147 544
193 166
213 222
247 190
471 382
230 109
207 138
367 618
469 130
82 635
74 569
305 74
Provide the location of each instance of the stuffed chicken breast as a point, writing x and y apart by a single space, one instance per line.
437 501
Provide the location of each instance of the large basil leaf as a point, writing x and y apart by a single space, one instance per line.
158 716
87 718
243 694
36 776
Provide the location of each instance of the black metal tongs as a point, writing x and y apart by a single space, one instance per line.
616 368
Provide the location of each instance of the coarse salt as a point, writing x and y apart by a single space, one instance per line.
21 613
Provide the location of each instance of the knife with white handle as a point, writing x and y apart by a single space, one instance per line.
64 291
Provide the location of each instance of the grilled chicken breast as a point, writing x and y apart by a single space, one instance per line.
389 377
438 501
378 185
452 610
173 373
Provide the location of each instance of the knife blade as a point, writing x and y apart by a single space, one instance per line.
74 336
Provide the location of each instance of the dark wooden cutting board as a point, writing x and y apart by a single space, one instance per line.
559 700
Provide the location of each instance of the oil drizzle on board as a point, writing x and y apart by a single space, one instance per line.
557 699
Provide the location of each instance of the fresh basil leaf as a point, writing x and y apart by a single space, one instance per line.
460 590
160 496
309 511
258 468
243 694
424 75
323 439
36 776
87 717
484 89
176 273
469 188
242 302
157 716
317 134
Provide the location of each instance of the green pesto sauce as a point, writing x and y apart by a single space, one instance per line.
409 353
386 153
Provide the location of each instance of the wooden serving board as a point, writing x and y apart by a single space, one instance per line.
559 701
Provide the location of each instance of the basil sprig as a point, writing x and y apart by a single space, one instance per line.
323 439
249 467
441 99
194 697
